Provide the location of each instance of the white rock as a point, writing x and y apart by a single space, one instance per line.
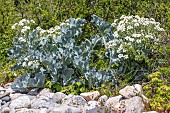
103 99
20 102
48 95
74 110
10 90
65 109
44 98
31 97
132 105
16 95
2 89
43 110
58 96
6 105
74 100
39 103
138 87
111 102
128 92
26 110
44 91
150 112
92 104
5 110
90 95
8 110
101 109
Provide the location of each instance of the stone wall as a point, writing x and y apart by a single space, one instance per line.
130 100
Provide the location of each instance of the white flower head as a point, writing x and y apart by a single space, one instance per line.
14 26
129 27
25 28
115 34
126 56
113 24
112 43
24 64
136 24
122 17
136 35
38 28
20 24
21 39
30 63
138 41
120 56
32 21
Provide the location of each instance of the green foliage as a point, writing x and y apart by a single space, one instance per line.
107 89
158 90
47 14
75 88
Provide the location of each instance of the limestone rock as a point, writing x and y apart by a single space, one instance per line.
16 95
44 91
65 109
58 96
111 102
100 109
20 102
150 112
48 95
26 110
90 95
132 105
5 110
74 100
92 104
39 103
128 92
138 87
6 105
103 99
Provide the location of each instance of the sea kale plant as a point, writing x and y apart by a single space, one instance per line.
55 53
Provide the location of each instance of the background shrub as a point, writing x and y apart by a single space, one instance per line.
158 90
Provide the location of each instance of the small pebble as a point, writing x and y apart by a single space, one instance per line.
6 98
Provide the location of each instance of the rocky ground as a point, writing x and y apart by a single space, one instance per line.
130 100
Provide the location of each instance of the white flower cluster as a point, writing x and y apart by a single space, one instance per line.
53 31
128 22
131 32
33 64
23 22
